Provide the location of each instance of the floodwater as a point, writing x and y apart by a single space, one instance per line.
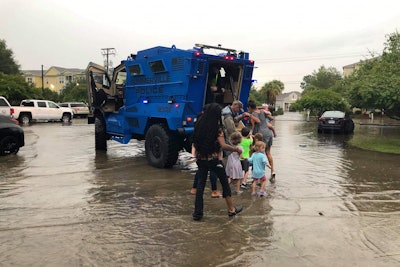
61 204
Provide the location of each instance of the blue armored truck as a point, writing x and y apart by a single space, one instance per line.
157 94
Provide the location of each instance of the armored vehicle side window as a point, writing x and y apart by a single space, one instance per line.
121 78
135 70
157 66
101 78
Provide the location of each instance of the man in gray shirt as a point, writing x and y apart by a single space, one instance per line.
231 116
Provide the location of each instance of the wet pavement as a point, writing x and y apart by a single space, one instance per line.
61 204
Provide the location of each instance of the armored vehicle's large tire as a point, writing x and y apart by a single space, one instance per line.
161 147
100 134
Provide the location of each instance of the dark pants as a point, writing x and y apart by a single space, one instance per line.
204 166
213 180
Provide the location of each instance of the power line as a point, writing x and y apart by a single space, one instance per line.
107 52
306 58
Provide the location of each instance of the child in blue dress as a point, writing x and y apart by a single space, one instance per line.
259 160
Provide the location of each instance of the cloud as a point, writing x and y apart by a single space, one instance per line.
287 39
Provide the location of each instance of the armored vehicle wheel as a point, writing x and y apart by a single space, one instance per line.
100 134
161 148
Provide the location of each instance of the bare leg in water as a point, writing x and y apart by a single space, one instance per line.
271 162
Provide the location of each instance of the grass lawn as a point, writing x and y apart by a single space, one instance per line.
386 145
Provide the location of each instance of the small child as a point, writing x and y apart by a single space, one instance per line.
259 160
246 143
233 166
256 137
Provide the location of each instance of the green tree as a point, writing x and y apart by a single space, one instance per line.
7 62
320 100
376 84
323 78
14 88
255 96
270 91
75 91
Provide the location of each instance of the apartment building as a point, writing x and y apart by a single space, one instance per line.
55 78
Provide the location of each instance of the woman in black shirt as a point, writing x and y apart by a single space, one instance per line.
209 141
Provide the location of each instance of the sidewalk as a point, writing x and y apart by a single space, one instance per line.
377 120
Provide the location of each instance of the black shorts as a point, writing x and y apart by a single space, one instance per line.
245 165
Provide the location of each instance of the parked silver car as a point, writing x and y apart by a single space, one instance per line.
80 109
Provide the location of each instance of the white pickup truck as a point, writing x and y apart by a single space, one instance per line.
40 110
4 106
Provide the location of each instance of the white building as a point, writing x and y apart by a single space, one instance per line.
285 100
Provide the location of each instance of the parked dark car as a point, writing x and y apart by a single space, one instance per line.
11 136
335 121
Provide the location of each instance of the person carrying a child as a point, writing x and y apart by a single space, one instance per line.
259 119
233 164
259 161
269 119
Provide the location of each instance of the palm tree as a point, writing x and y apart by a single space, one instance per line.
270 90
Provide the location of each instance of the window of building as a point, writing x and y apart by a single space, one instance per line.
61 79
29 79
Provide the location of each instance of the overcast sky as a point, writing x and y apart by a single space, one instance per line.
287 39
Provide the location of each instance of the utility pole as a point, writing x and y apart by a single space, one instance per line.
42 81
107 52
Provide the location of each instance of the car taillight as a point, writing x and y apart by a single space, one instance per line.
11 111
321 119
15 121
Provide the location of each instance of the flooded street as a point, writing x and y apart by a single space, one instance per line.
61 204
